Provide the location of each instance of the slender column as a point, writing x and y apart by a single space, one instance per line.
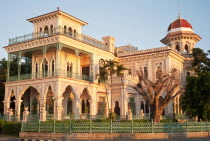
92 67
58 108
19 64
58 59
6 106
149 71
91 107
43 112
122 111
77 107
149 111
17 106
174 103
8 66
77 62
178 110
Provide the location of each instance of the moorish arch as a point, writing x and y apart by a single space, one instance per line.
11 99
30 99
46 89
117 108
85 101
68 101
49 100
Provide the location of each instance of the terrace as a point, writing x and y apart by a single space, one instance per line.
58 31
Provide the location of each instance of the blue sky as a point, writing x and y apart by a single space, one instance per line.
142 23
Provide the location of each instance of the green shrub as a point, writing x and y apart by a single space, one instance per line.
2 122
11 127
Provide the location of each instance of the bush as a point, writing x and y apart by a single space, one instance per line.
11 128
2 122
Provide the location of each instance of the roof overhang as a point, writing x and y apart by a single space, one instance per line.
55 14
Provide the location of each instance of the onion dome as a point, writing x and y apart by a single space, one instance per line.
180 25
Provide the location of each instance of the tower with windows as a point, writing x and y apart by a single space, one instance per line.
181 37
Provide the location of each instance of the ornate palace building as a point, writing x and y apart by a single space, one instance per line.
64 65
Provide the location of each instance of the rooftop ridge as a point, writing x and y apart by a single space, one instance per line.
145 51
57 12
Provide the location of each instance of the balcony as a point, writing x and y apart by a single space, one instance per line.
58 31
62 73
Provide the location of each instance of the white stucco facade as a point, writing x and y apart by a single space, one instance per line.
65 70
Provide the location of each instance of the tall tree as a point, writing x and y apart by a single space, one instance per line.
201 61
3 71
196 100
110 68
169 85
120 72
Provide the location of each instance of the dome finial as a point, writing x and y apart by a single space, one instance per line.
179 12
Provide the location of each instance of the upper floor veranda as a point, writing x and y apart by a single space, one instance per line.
57 47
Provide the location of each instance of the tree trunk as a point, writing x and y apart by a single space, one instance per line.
155 113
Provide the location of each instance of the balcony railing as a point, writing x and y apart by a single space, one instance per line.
43 74
58 30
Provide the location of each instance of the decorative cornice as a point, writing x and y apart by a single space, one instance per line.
53 15
152 56
55 39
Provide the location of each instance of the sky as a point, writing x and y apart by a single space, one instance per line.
141 23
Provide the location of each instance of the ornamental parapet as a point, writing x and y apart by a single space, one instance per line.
145 51
40 38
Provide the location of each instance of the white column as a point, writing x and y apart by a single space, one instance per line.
92 67
121 103
77 63
138 104
58 108
17 106
149 71
92 107
42 104
6 106
77 107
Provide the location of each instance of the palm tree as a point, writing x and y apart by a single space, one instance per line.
110 67
120 73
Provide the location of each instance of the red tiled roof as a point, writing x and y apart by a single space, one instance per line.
179 23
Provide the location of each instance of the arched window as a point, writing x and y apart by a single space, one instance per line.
147 108
87 106
142 106
46 31
41 32
178 48
70 31
158 72
188 73
145 73
69 69
117 108
53 67
177 106
37 69
65 29
83 106
51 29
45 68
186 49
75 33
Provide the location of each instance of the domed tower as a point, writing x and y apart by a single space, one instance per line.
181 36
